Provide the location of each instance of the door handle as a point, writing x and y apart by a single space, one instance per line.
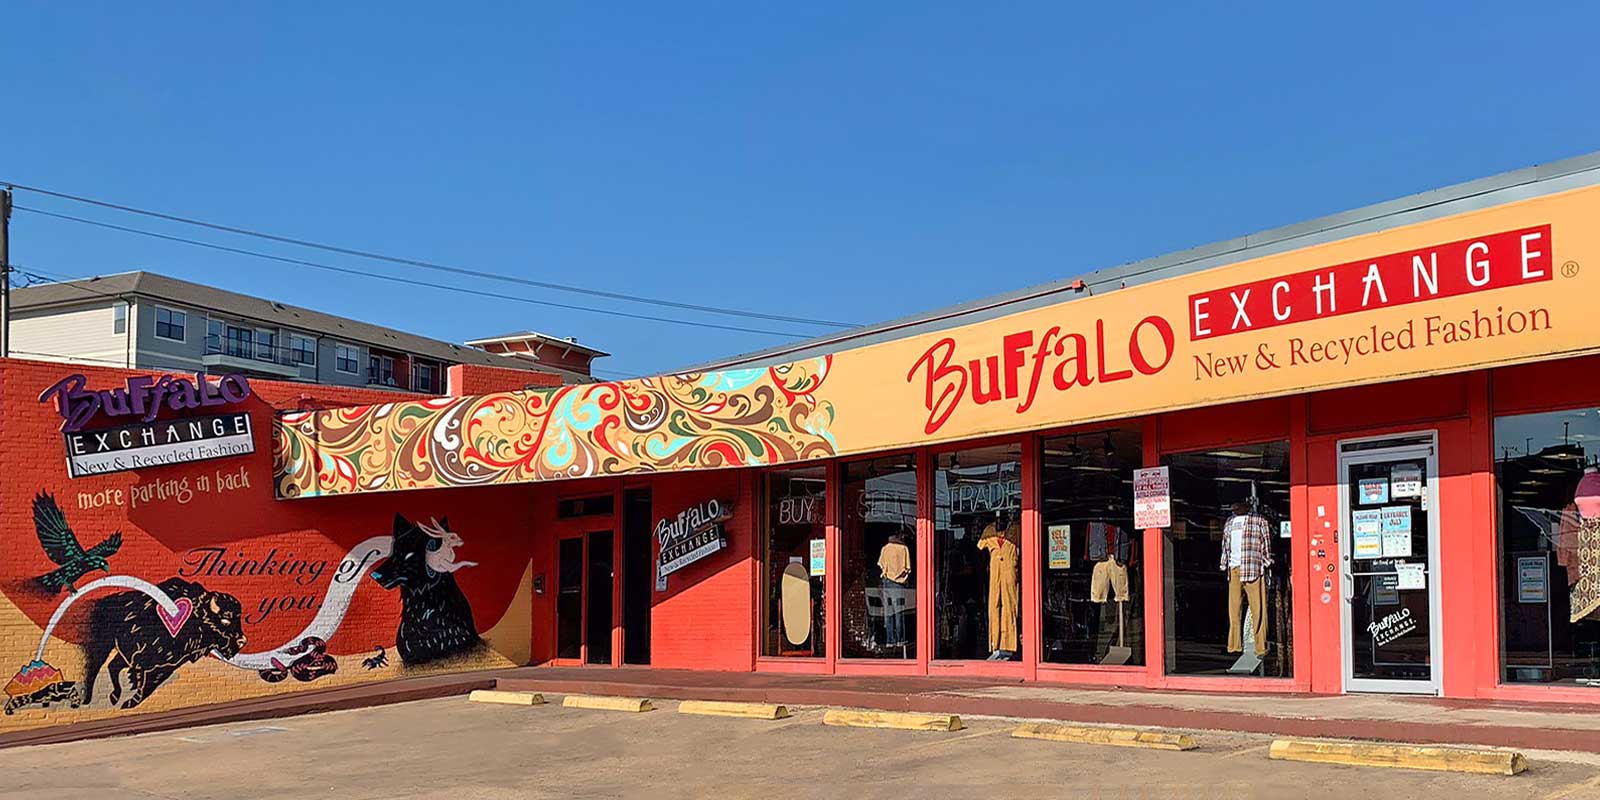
1347 579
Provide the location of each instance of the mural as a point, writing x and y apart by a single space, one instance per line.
61 545
435 620
141 636
733 418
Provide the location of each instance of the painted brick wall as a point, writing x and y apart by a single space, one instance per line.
469 379
706 618
271 567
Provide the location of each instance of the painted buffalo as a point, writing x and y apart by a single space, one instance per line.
130 634
435 619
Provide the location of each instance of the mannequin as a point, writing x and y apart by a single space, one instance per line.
1246 555
796 605
894 560
1110 550
1005 571
1580 542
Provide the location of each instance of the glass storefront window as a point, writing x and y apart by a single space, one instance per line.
1226 582
977 534
1091 567
795 563
878 545
1549 520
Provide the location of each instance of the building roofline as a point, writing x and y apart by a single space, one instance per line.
141 284
554 341
1505 187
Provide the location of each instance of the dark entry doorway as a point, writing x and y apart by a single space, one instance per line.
638 576
598 613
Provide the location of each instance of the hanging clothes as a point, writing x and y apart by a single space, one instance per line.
1005 589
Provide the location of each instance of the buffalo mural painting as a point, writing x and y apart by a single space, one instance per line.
140 636
435 619
131 635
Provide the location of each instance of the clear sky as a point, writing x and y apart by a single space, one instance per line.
850 161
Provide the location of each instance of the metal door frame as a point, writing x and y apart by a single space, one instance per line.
1429 452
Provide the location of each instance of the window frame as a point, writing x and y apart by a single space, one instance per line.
295 352
267 337
339 359
182 318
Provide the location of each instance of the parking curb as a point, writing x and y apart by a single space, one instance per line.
1441 759
506 698
892 719
603 703
716 708
1116 737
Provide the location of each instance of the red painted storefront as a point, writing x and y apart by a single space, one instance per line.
711 617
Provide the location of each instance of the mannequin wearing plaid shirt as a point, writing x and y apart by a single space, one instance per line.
1246 554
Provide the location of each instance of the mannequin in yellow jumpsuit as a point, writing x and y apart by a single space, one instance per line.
1005 571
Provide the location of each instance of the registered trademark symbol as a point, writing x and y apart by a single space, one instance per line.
1569 269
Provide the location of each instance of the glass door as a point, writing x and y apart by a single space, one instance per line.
598 605
1389 541
569 600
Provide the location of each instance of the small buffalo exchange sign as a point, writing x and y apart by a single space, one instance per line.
696 532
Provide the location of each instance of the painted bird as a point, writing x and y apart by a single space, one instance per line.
61 545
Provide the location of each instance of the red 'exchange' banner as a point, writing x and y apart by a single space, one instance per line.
1489 262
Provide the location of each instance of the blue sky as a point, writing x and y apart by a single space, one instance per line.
851 161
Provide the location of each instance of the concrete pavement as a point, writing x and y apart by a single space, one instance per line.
450 748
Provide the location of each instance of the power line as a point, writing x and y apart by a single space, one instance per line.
475 273
405 281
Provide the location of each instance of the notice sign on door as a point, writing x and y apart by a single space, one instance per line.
1405 481
1366 533
1152 498
1395 522
1373 490
819 557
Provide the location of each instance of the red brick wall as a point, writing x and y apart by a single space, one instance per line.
470 379
203 522
706 618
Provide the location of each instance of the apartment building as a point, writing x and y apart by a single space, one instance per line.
144 320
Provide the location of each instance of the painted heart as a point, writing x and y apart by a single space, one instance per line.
175 620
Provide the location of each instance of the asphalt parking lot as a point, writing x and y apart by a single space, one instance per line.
451 748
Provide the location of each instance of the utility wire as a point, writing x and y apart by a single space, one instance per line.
475 273
38 277
405 281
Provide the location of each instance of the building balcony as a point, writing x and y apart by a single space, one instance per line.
231 356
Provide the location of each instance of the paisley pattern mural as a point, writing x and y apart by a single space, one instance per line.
748 417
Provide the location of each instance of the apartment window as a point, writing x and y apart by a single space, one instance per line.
346 359
302 350
380 370
215 332
240 342
266 345
424 377
119 318
169 324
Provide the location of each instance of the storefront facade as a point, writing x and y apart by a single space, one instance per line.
1353 456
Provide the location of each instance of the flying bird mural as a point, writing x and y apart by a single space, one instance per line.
61 545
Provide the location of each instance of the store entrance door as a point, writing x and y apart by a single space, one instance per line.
584 599
1390 544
